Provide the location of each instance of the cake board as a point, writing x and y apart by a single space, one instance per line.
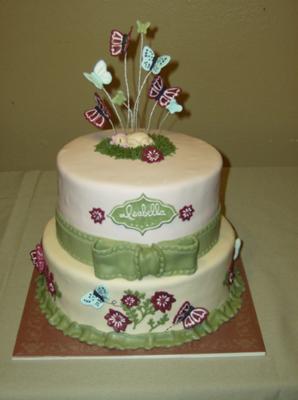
37 339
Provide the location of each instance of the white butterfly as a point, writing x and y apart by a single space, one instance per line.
237 247
150 62
100 75
97 298
174 107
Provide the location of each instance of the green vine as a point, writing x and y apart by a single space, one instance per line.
139 312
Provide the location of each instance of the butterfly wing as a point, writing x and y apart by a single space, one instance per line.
174 107
160 63
116 40
100 70
168 95
89 299
95 118
195 317
182 313
147 58
102 108
156 87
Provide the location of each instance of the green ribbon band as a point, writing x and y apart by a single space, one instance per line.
119 259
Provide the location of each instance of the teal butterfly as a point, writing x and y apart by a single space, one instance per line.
174 107
97 298
100 75
150 62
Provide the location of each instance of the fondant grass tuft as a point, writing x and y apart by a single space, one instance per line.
162 143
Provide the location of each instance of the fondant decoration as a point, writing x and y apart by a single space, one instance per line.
162 301
152 63
119 259
98 215
190 316
151 154
139 139
118 145
173 107
92 336
100 75
160 94
117 320
96 298
148 61
142 30
142 27
39 262
38 259
143 214
119 98
130 300
137 307
231 271
99 114
119 42
186 213
119 139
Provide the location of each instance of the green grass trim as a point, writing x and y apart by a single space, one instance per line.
162 143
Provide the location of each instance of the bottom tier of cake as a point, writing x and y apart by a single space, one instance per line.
147 313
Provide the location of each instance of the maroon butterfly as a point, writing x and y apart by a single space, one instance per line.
99 114
119 42
190 316
159 93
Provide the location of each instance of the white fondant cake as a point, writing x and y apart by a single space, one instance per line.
138 255
88 179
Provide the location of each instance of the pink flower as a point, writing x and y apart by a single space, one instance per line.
151 154
98 215
38 259
130 300
186 213
162 301
50 283
117 320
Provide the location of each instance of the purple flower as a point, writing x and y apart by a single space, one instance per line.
98 215
186 213
39 262
162 301
151 154
117 320
38 259
130 300
50 283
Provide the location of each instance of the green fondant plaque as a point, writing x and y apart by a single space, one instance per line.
143 214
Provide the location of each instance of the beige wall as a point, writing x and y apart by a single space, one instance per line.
237 62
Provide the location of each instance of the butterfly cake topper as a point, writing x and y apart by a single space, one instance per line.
127 100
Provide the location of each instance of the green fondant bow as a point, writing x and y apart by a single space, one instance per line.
118 259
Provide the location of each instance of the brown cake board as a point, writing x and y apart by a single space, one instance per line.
36 339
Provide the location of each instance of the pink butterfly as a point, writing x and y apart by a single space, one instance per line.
119 42
159 93
99 114
190 316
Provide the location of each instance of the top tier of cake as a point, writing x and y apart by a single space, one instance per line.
135 201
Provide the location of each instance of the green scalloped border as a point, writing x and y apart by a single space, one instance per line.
124 341
162 143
